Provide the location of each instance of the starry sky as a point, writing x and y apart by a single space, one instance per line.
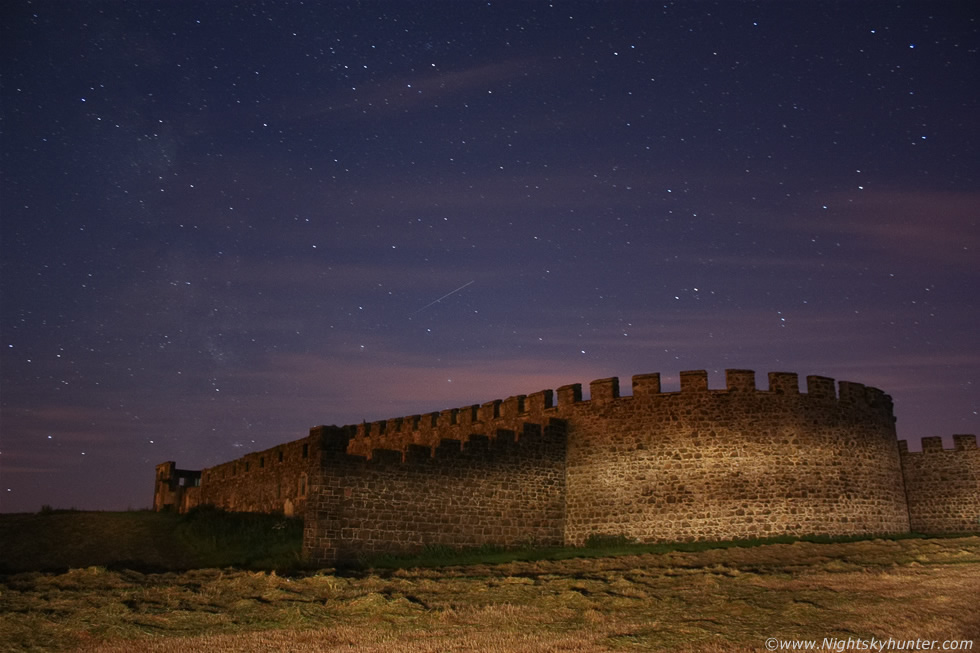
224 223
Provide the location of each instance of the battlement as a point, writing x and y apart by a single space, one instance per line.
290 454
934 444
943 485
736 380
693 382
504 487
271 480
515 412
558 466
469 437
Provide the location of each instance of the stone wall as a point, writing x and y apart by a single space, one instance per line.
552 468
176 489
700 463
506 490
272 481
943 485
431 429
732 463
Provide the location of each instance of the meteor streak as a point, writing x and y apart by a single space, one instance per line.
442 298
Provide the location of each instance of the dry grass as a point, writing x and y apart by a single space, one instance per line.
717 600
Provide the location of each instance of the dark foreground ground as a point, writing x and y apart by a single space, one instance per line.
732 599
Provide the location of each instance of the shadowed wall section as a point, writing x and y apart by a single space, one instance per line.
507 490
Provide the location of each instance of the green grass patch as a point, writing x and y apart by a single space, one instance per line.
57 540
245 540
206 537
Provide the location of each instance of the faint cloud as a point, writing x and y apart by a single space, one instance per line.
937 225
415 90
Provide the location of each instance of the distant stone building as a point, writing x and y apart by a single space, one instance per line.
697 464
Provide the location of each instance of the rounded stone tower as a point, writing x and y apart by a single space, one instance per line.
732 463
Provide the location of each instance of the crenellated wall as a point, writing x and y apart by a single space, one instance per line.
272 481
554 468
430 429
943 485
731 463
505 490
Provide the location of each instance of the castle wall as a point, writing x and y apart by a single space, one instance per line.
655 466
943 485
430 429
552 468
175 489
507 490
275 480
731 463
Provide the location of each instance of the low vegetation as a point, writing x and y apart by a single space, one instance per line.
58 540
728 598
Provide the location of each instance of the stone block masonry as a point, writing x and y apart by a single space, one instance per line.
943 485
732 463
272 481
554 468
508 490
176 489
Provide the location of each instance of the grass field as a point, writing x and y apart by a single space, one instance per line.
59 540
721 599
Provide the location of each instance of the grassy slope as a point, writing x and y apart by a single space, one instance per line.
210 538
146 541
65 539
722 600
105 593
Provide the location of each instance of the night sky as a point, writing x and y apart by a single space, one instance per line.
223 224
